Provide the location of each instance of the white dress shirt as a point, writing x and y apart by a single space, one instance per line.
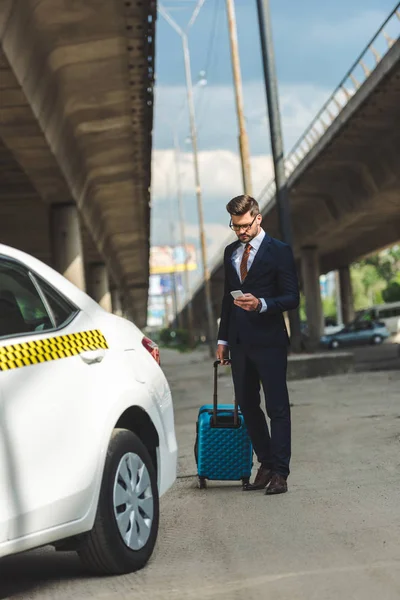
237 259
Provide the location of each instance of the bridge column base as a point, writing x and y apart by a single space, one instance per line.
346 295
99 286
66 240
310 275
116 303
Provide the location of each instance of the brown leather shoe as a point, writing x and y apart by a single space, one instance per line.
261 480
276 485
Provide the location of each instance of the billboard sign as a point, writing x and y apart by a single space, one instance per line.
172 259
156 311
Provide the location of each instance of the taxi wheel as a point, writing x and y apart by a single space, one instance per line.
126 526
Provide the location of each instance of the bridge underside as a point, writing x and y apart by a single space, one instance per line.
76 113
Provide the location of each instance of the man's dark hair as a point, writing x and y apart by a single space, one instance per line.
242 205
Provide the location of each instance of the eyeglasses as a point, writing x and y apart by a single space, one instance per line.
245 227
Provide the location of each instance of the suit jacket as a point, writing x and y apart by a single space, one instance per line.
272 276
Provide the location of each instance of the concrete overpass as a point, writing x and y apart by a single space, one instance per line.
343 178
76 114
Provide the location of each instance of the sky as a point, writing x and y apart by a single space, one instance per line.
315 44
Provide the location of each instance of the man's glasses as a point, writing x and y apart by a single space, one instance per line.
245 226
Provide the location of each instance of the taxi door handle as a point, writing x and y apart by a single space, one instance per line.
91 357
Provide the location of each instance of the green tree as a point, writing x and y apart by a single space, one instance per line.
392 292
329 306
367 285
386 263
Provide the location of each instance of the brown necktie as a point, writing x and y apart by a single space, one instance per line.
243 264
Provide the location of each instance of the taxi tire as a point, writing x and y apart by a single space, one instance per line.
103 551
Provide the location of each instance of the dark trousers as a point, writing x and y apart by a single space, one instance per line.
250 366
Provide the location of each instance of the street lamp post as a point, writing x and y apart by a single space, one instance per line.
193 132
183 239
174 125
175 318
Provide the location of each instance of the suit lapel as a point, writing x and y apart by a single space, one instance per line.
231 266
263 249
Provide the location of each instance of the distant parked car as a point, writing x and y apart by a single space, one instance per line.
329 328
388 313
356 334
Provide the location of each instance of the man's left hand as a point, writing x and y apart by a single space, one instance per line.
247 302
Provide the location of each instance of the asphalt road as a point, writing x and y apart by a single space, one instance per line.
335 535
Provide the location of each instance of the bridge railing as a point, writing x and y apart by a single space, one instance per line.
359 72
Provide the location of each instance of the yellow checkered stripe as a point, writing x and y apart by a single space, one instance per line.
54 348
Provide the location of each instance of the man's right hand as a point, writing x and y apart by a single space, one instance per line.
223 354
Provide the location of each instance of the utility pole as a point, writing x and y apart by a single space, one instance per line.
211 323
183 240
206 272
173 278
175 320
282 196
237 79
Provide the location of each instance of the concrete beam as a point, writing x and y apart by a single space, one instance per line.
91 143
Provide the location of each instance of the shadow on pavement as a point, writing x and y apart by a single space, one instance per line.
24 573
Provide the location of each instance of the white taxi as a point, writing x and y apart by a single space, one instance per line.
87 438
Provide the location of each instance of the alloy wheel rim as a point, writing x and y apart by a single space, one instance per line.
133 501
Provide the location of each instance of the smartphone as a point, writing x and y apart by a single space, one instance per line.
237 294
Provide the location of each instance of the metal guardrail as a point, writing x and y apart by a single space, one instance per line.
358 73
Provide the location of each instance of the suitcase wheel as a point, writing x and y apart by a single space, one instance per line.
202 483
245 482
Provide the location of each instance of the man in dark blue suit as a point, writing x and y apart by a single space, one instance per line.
252 329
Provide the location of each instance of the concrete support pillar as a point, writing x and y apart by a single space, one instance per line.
339 308
126 305
67 249
312 292
346 295
98 285
116 302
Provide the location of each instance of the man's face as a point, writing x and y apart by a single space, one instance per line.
246 227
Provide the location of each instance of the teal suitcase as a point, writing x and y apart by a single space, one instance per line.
223 449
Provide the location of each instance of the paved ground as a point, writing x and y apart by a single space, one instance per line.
377 358
335 535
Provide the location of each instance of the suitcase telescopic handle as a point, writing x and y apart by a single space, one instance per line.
215 396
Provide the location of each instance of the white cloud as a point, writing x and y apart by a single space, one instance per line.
216 116
220 169
220 173
216 236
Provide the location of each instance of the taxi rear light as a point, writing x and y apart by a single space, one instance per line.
152 348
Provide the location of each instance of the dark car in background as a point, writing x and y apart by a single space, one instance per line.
357 333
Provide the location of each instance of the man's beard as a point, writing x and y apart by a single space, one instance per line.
247 237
